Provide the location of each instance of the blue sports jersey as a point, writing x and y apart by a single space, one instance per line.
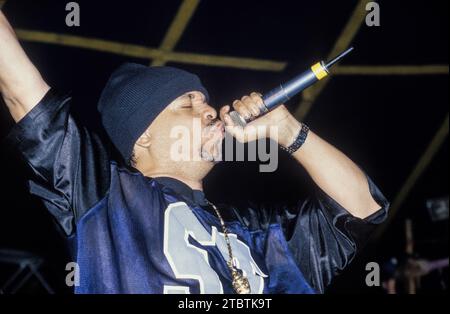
147 239
134 234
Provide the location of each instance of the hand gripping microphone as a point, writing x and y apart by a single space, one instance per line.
286 91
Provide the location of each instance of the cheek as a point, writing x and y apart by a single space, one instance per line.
170 128
180 132
177 129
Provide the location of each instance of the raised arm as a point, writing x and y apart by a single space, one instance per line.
21 84
331 170
335 173
70 165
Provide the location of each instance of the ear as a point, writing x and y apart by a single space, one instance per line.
144 140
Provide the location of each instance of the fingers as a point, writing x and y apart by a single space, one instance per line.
257 99
242 109
225 117
249 107
243 135
230 128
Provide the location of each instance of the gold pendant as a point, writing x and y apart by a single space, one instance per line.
240 282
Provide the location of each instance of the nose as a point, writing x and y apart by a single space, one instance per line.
209 114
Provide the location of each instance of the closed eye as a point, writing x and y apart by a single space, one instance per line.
186 101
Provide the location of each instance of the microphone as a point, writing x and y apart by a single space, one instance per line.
291 88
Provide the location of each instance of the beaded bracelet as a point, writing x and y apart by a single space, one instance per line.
301 138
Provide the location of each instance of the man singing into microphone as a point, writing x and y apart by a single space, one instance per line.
142 224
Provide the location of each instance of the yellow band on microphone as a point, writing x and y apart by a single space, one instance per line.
319 70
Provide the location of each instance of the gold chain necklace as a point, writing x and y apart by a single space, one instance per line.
240 282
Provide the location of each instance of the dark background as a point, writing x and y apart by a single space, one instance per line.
384 123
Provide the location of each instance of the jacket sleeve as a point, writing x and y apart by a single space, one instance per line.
69 165
326 237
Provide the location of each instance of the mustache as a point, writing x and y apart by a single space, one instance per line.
213 122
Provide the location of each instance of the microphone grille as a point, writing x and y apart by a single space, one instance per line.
237 119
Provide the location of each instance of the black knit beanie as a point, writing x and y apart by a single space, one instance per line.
135 95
